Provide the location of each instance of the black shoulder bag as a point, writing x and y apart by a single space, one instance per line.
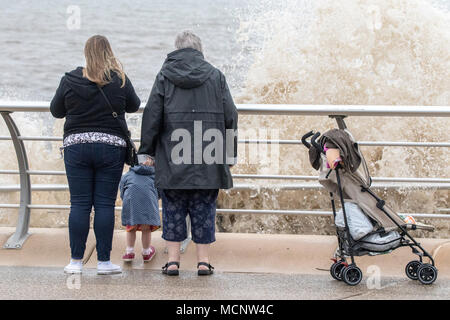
131 156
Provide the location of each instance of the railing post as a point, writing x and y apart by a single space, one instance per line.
17 240
340 121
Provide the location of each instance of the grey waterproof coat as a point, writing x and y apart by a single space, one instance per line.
190 93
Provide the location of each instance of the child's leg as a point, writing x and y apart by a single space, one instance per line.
146 238
131 240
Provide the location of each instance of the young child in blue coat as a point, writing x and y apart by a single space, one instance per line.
140 210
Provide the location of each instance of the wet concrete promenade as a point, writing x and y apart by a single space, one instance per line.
248 266
52 283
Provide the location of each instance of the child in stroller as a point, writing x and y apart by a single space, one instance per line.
365 225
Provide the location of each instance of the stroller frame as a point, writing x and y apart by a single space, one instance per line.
350 273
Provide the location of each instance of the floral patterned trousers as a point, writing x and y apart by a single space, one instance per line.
200 205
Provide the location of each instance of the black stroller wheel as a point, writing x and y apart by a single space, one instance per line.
427 274
412 269
336 270
352 275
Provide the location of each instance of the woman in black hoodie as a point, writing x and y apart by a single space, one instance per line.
94 147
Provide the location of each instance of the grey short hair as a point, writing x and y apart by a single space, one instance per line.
187 39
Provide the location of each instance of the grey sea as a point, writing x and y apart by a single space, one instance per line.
42 39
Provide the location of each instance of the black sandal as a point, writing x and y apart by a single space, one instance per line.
202 272
165 269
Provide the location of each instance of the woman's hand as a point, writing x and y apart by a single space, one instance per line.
149 162
146 160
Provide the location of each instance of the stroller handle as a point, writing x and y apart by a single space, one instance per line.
315 144
306 136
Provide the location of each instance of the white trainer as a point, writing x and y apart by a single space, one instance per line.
106 267
74 267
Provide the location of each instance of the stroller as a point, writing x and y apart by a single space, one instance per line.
353 186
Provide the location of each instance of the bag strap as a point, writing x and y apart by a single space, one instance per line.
114 114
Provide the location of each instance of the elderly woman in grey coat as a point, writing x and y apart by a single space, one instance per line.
190 127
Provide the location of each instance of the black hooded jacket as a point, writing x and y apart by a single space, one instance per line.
86 110
189 91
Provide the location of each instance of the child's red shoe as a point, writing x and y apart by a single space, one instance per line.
128 257
149 257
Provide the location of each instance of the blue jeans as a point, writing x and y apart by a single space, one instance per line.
93 171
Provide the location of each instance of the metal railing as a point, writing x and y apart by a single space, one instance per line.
26 188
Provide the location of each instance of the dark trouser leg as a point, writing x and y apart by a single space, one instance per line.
202 210
109 169
174 204
80 176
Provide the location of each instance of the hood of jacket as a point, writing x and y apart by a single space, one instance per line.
187 68
82 87
143 170
340 139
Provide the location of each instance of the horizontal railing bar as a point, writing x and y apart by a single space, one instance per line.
9 206
262 177
9 172
277 109
35 173
274 177
281 142
239 211
316 213
47 173
345 110
34 138
377 185
276 187
24 106
43 138
412 180
404 144
361 143
36 187
375 179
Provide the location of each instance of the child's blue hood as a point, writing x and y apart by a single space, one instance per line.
143 170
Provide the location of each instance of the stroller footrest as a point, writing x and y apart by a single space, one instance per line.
420 226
